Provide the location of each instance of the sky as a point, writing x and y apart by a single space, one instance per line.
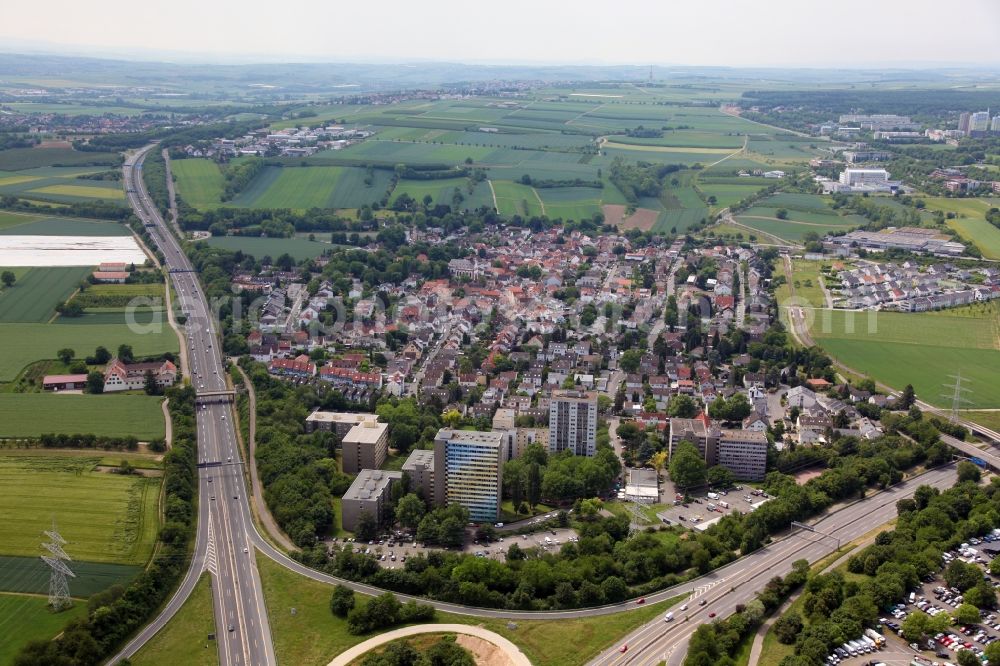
772 33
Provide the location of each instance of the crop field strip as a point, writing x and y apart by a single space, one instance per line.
103 517
34 296
34 225
26 618
106 415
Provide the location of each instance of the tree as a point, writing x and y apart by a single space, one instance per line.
629 361
658 460
906 398
682 407
915 626
342 600
534 484
367 527
66 355
446 652
409 511
787 627
962 575
151 387
966 614
451 418
720 477
968 658
101 356
125 353
8 278
968 471
95 382
781 214
993 652
687 467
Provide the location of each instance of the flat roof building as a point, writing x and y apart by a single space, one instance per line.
468 468
573 422
420 467
370 493
365 446
744 453
338 422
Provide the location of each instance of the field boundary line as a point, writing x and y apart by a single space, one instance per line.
494 193
540 202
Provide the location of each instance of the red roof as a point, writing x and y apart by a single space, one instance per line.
110 275
63 379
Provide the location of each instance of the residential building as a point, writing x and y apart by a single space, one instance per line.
573 422
420 467
365 446
468 471
337 422
857 177
370 493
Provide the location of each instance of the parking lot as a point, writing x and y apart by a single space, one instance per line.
705 507
934 597
393 552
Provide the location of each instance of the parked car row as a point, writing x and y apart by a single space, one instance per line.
870 641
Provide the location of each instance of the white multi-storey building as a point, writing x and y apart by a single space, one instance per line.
573 422
468 468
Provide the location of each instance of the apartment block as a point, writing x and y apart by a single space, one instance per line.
420 467
336 422
744 453
365 446
573 422
468 468
370 493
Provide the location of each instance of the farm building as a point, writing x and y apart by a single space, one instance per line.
64 382
120 376
117 277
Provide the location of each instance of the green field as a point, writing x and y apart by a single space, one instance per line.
298 248
922 349
30 575
109 192
25 343
108 415
34 296
185 638
26 618
443 191
199 181
29 158
517 199
970 222
806 213
103 517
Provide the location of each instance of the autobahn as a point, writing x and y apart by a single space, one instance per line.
227 536
738 583
223 544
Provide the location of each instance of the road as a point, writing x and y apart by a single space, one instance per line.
739 582
223 544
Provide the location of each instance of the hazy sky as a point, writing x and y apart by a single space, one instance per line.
787 33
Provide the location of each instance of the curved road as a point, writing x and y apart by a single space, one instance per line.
512 651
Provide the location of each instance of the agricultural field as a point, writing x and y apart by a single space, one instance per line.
198 181
60 185
17 224
26 618
805 213
17 159
110 415
298 248
517 199
922 349
103 517
34 296
25 343
443 191
970 221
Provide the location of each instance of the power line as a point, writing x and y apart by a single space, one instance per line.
956 395
56 559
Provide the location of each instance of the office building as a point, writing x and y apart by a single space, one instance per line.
744 453
365 446
468 468
420 468
859 177
573 422
370 493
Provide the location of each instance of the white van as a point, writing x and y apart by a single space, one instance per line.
913 597
713 496
669 617
724 505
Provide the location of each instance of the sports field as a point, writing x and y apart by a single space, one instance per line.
24 343
922 349
25 618
110 415
34 296
103 517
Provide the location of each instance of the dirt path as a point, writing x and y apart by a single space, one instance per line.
540 202
259 505
512 653
494 194
168 430
774 127
746 142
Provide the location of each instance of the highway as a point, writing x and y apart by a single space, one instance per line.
739 582
223 544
